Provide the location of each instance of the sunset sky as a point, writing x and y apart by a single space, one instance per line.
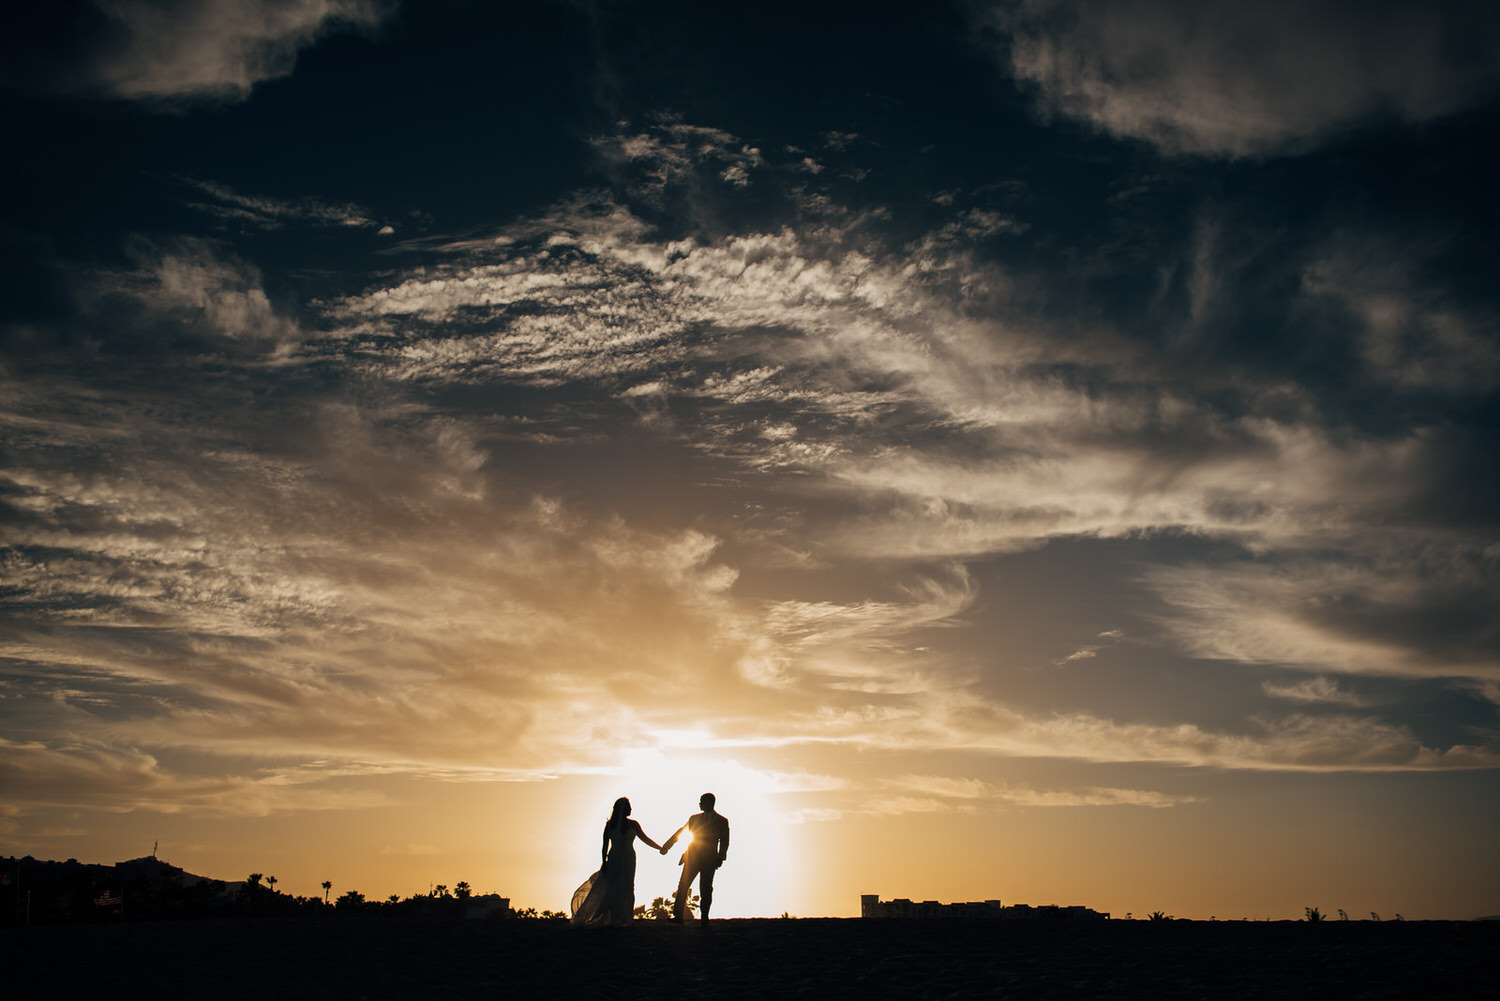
1037 450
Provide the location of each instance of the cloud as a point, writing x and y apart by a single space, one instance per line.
902 386
906 378
959 719
670 157
1393 611
249 596
1314 690
1004 794
366 591
1090 651
181 302
215 295
108 776
265 213
1410 332
401 531
857 646
176 50
1227 78
906 794
978 792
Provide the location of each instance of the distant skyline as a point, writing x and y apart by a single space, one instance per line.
1035 450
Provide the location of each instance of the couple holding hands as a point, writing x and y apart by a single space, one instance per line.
607 898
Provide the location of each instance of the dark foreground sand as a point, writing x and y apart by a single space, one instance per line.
819 959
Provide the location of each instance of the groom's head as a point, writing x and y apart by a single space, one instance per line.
706 801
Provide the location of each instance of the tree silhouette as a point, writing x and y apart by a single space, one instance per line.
254 879
327 886
462 890
271 882
661 908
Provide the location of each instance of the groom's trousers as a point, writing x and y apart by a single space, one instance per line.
700 867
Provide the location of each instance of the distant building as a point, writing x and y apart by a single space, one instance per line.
487 905
871 906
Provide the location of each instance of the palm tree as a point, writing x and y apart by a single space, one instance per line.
462 890
327 885
271 881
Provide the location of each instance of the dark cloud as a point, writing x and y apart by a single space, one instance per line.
1227 78
173 51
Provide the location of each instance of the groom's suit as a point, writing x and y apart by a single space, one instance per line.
702 859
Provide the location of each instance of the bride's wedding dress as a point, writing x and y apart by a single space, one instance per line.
607 898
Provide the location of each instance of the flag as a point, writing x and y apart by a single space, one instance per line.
107 899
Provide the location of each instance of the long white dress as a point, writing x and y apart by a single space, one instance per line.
607 898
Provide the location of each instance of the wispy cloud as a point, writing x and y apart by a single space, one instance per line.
1314 690
1410 332
317 539
855 646
261 212
907 794
1091 650
107 776
959 720
1394 611
989 794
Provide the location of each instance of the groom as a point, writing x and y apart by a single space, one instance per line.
705 853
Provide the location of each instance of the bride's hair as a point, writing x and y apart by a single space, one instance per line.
620 812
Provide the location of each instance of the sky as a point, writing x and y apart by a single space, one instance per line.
1039 451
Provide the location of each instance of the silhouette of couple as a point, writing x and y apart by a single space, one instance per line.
607 898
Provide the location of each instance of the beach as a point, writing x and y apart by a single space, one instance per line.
821 958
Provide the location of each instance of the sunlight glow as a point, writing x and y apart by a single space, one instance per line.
663 787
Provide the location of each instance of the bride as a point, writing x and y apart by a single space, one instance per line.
608 896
